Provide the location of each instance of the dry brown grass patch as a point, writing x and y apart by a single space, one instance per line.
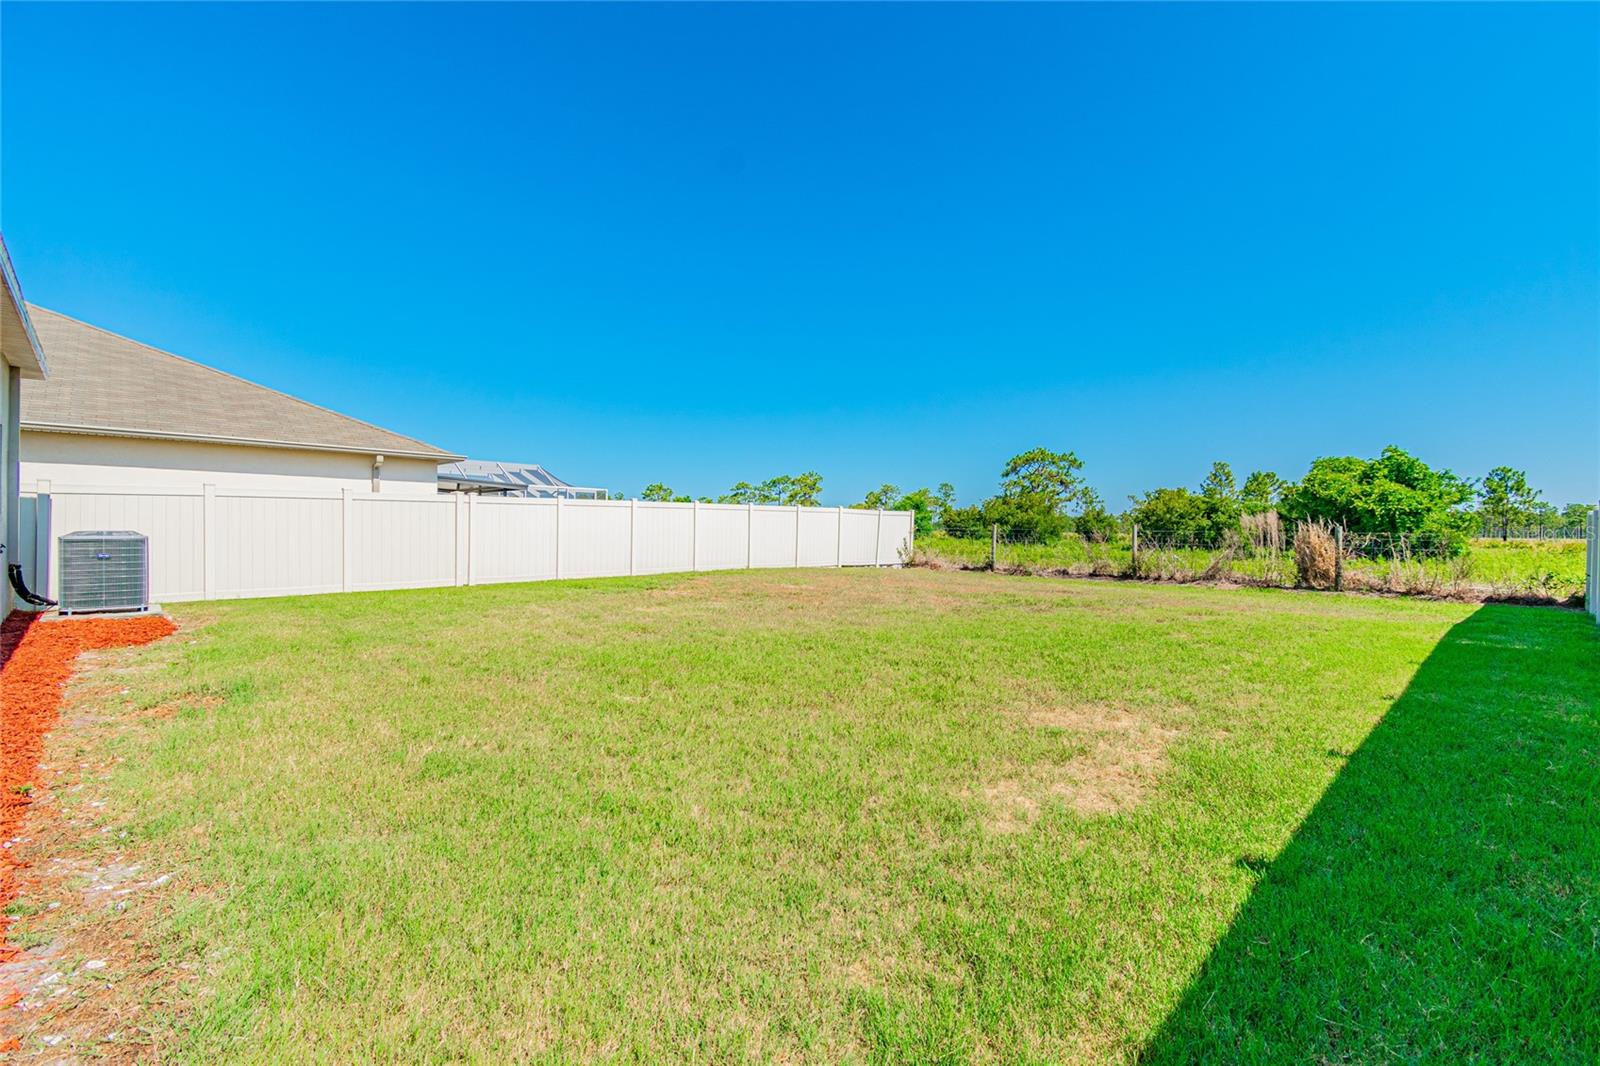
1117 757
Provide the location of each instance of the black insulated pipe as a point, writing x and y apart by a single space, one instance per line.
23 591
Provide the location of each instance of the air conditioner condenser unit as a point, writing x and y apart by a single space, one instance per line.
104 570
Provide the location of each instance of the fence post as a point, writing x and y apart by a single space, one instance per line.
461 518
208 542
1338 558
877 541
749 535
472 526
43 504
1590 593
633 537
1134 558
838 538
797 536
348 551
994 545
694 539
560 517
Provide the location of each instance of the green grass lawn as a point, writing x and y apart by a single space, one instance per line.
868 816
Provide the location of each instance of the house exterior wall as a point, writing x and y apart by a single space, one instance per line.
10 393
86 460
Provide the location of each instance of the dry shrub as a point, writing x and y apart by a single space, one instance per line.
1220 568
1264 531
1316 554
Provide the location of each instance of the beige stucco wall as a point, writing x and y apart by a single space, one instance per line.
83 460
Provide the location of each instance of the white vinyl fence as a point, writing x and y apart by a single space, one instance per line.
223 544
1591 575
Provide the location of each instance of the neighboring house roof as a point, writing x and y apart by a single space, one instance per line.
522 479
19 345
104 384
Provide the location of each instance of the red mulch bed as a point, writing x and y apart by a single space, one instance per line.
36 661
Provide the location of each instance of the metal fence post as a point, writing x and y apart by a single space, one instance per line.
1133 563
994 544
1338 559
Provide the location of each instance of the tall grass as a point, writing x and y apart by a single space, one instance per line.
1316 555
1263 553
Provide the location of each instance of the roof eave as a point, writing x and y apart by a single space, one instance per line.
29 358
199 438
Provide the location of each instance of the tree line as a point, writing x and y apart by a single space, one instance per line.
1044 495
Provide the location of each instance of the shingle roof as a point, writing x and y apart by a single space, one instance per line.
102 383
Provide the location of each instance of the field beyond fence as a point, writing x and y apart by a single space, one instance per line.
1515 570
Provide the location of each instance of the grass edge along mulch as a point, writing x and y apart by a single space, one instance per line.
36 661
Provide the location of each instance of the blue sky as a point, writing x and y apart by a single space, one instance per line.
700 244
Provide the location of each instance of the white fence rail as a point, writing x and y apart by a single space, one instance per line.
213 544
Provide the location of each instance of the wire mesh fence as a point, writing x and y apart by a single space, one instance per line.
1538 531
1266 551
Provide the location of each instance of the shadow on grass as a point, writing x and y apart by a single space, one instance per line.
1442 901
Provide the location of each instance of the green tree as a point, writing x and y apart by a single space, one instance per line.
1505 499
882 496
803 490
657 493
1093 521
1260 492
1219 484
924 506
1038 490
1181 516
1029 516
744 492
1575 515
1544 515
1395 494
964 521
790 490
1040 472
